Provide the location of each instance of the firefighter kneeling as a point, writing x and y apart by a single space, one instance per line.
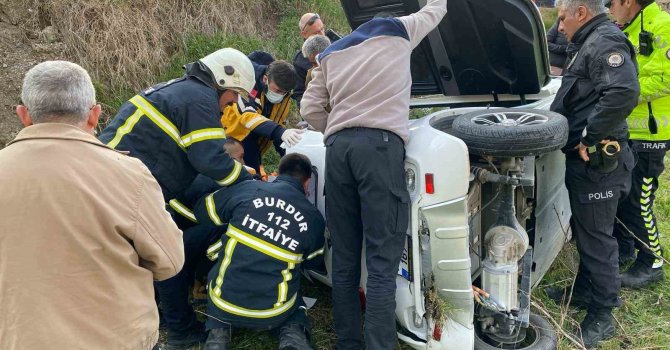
272 230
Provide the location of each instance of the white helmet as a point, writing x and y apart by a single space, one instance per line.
231 69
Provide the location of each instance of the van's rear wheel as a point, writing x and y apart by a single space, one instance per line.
540 335
511 132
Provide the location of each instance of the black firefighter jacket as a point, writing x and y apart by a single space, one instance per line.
174 129
600 86
272 229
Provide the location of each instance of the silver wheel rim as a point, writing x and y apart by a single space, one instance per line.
507 119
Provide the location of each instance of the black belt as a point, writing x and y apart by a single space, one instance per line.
369 131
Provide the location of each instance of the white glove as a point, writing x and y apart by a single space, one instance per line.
291 137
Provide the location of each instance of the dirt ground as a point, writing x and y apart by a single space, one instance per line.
19 50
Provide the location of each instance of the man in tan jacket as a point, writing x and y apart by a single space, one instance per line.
84 231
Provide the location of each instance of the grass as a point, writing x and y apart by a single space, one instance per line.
549 16
644 317
195 46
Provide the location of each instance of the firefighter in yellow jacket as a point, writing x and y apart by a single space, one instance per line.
648 29
259 121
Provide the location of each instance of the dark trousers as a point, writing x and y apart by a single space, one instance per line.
594 198
366 201
637 210
173 293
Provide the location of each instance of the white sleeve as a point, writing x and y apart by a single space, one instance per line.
314 101
419 24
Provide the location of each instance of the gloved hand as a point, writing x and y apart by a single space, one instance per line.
291 137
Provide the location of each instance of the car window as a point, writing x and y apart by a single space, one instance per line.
423 71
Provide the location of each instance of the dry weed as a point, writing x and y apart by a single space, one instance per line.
437 308
124 44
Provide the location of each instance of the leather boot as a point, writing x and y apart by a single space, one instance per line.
560 297
293 337
218 339
640 275
598 325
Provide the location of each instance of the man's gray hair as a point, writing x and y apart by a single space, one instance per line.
58 91
314 45
596 7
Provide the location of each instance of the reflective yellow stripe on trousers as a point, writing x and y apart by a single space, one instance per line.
652 231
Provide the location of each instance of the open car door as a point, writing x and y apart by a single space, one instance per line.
481 46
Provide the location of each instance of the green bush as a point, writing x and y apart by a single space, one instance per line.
549 16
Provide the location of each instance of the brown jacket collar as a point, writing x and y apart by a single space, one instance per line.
58 131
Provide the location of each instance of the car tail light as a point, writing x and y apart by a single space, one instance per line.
361 297
437 332
430 187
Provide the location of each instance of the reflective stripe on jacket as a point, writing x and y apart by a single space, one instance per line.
654 75
266 120
174 129
272 229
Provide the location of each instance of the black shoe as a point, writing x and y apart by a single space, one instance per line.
640 275
560 297
597 326
218 339
626 259
293 337
195 336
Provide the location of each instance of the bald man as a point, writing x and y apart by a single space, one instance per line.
309 24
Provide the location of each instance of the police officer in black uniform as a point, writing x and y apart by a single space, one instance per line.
272 231
598 91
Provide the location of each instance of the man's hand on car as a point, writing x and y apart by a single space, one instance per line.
291 137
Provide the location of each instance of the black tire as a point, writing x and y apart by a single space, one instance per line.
540 335
486 135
